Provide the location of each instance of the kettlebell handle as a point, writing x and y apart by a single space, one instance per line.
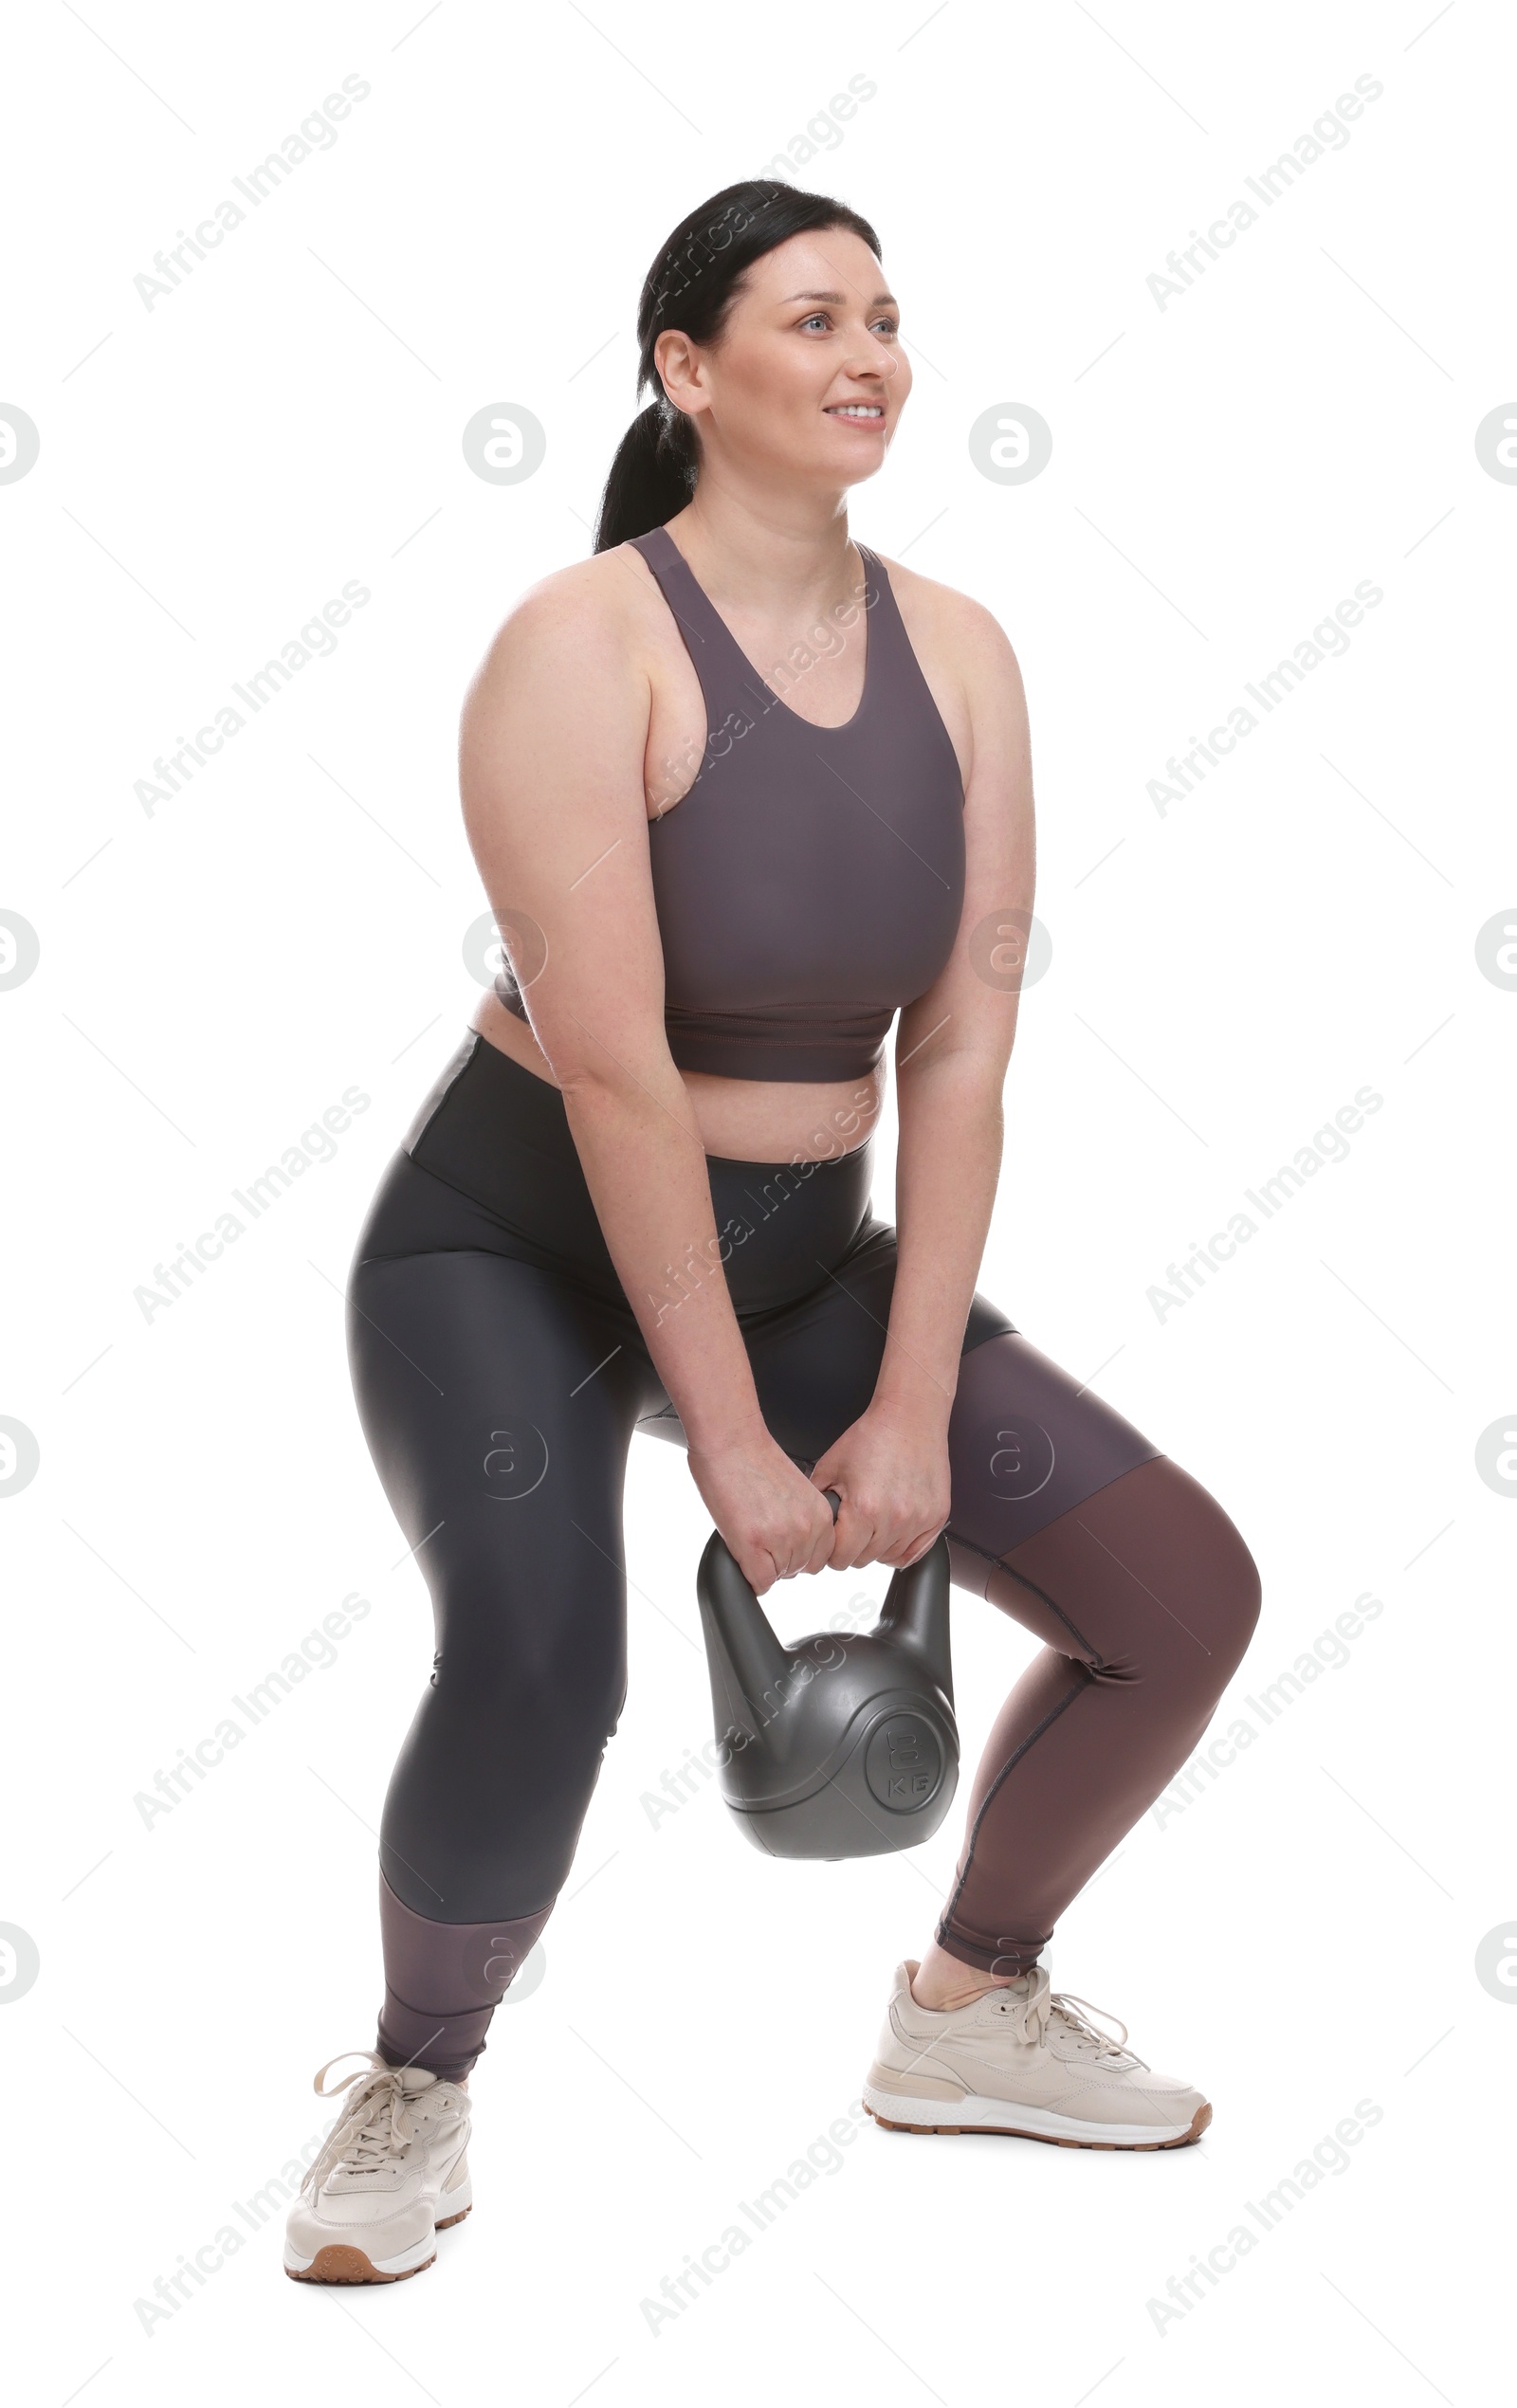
757 1656
915 1611
718 1542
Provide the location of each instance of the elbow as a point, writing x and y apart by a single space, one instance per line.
590 1063
963 1083
584 1083
595 1080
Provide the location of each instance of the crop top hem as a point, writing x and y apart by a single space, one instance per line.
790 1061
796 1064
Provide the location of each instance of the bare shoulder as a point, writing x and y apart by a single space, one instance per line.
588 621
972 671
949 620
956 639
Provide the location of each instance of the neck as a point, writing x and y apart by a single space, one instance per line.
774 559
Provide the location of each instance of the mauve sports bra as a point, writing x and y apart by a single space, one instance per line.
812 880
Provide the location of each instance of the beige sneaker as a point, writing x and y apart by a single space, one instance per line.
393 2175
1023 2059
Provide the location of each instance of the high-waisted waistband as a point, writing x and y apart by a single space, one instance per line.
498 1136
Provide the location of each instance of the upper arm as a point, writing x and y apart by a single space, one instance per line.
971 1003
550 765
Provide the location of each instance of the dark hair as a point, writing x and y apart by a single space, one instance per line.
692 286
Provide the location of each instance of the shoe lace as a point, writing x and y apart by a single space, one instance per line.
376 2123
1088 2037
1039 2011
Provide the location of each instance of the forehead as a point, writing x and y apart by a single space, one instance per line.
828 262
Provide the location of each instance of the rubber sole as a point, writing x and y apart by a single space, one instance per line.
1057 2139
340 2262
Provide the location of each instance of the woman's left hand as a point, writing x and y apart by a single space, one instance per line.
890 1468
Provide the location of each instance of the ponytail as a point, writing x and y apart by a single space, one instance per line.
653 476
692 286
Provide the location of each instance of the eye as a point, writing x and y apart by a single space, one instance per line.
885 326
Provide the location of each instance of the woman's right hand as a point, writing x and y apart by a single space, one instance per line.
775 1521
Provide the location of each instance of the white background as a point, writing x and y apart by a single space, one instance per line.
1224 978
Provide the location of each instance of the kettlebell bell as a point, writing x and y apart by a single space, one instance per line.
844 1744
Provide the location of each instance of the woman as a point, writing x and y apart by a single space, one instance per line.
739 790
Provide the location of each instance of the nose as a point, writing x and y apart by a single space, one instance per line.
879 362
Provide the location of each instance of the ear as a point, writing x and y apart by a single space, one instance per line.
680 368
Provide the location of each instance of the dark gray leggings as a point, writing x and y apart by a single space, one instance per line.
500 1376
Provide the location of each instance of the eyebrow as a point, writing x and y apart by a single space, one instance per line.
881 299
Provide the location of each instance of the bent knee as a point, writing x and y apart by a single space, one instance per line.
1189 1590
1214 1567
555 1705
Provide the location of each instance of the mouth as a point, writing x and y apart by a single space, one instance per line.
861 413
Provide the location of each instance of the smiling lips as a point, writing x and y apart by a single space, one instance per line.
862 413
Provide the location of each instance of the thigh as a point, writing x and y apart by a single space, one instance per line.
1065 1516
498 1406
498 1402
1028 1441
815 1362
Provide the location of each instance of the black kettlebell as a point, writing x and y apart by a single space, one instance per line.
844 1744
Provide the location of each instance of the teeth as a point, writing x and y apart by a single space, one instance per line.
856 409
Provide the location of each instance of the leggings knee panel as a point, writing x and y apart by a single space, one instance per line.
1147 1580
1167 1596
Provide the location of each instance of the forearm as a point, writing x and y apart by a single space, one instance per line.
645 1166
947 1165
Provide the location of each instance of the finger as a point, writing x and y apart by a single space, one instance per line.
902 1558
843 1554
822 1555
770 1571
862 1545
895 1557
913 1553
837 1556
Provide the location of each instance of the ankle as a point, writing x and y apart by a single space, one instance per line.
942 1982
943 1997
